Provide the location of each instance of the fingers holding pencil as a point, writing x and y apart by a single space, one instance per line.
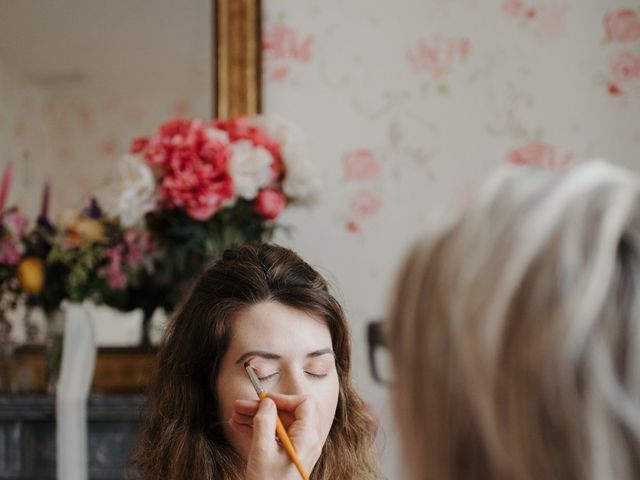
267 457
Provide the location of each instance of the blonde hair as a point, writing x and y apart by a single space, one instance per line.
515 335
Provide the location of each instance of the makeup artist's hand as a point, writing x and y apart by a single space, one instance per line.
267 458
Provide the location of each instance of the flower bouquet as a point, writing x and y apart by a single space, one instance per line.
183 195
200 187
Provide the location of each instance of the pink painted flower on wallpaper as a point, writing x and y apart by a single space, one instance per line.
282 47
109 147
281 42
270 203
19 129
352 226
514 8
622 26
181 107
550 22
614 90
134 115
436 56
518 9
364 203
625 66
278 74
360 165
85 116
539 154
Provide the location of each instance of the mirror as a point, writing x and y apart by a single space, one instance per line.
79 79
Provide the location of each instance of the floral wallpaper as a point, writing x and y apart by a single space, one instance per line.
410 103
23 141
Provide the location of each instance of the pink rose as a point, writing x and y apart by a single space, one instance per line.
269 203
360 165
625 66
622 26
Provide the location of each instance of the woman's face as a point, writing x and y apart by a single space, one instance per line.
291 352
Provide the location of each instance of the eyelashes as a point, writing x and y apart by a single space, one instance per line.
266 378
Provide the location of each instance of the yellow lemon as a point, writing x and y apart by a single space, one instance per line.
31 275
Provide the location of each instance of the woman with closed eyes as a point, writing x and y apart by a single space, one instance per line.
263 305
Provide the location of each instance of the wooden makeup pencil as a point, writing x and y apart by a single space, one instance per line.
280 430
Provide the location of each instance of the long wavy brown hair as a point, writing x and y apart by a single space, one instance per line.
182 437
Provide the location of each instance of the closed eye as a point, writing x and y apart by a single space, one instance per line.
316 375
268 377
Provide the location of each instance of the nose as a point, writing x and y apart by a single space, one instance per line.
293 382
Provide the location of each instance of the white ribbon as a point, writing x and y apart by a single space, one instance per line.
72 393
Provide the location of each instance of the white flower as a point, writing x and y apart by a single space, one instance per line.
302 180
216 134
250 168
137 194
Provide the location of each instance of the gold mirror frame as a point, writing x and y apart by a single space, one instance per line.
237 46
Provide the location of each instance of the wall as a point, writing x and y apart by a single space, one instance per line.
409 103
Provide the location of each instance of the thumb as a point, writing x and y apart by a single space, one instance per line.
264 429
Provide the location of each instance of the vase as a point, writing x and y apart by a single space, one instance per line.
114 328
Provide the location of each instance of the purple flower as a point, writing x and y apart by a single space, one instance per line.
93 210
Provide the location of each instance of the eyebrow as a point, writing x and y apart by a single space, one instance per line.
274 356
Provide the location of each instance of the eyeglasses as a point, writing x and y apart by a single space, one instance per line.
379 353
